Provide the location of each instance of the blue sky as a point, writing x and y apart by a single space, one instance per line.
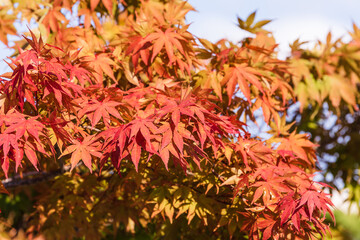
308 20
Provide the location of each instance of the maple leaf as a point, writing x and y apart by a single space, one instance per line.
24 127
7 141
204 123
257 151
93 4
37 45
315 200
6 25
288 205
53 18
21 81
341 89
58 130
138 49
81 74
269 189
141 138
100 64
241 75
176 11
300 145
175 43
107 3
83 150
89 15
100 109
23 135
129 139
168 39
267 223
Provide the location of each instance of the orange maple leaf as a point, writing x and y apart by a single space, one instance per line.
82 150
241 75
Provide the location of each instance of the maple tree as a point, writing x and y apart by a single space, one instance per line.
116 120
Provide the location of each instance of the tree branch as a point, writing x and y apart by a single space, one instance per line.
30 178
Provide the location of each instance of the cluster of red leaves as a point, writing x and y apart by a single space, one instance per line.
280 197
174 43
178 126
21 134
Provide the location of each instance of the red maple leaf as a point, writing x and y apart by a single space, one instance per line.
82 150
241 75
95 110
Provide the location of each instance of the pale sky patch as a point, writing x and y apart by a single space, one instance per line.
307 20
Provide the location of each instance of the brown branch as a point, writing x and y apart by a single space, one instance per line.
30 178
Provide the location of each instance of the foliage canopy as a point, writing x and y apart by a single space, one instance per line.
135 126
